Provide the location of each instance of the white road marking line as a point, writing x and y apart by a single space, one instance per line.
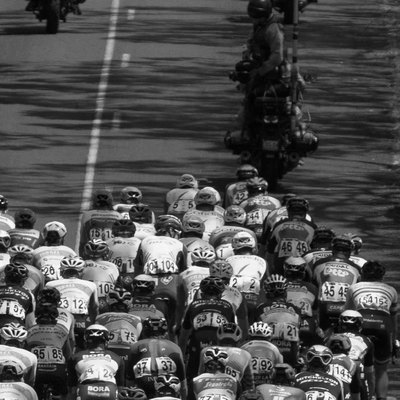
126 57
97 121
131 14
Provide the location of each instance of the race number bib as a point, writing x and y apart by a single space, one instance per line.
165 366
103 288
317 395
160 266
50 272
245 284
261 365
240 196
214 397
340 372
285 331
125 264
100 233
142 368
123 336
255 217
181 206
377 301
302 303
48 354
291 247
334 291
13 308
209 319
234 373
74 305
97 373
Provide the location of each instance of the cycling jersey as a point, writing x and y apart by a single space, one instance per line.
24 361
17 391
219 386
123 252
6 222
280 392
47 259
144 230
235 193
4 260
343 368
179 200
212 219
29 237
319 385
264 356
17 304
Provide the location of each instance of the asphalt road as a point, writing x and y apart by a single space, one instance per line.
135 93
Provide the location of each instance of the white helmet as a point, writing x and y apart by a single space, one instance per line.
242 240
55 226
207 195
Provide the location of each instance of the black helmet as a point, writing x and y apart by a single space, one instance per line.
102 198
342 243
322 235
373 271
283 374
141 213
212 286
123 228
25 218
339 343
259 8
246 171
256 185
16 272
297 204
154 327
48 295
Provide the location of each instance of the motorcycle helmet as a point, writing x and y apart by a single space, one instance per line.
235 214
131 195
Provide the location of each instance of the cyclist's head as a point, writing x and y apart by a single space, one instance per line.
123 228
96 248
54 233
322 238
257 186
72 267
167 385
260 330
102 199
15 273
118 298
221 269
318 357
13 334
141 213
192 225
48 296
373 271
154 327
143 285
3 204
339 344
131 195
215 359
350 321
46 314
212 286
251 394
294 268
235 215
187 181
207 198
342 244
5 241
168 225
283 374
203 257
10 372
21 252
25 218
275 286
229 334
297 207
96 335
131 393
243 242
246 171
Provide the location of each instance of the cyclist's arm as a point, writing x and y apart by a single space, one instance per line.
185 332
93 306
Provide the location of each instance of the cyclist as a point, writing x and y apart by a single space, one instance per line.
143 218
78 296
96 223
377 302
24 232
96 372
5 243
315 381
21 253
154 355
47 257
281 385
12 351
6 221
49 341
333 276
180 199
284 317
11 385
123 248
128 196
99 270
249 270
290 236
236 193
202 319
17 304
239 361
265 355
207 207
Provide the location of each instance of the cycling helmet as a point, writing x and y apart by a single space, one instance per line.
251 394
14 332
72 266
275 285
48 295
187 181
21 252
3 203
246 171
259 8
283 374
322 237
96 333
256 185
260 330
123 228
5 240
119 297
131 195
15 273
357 243
143 285
243 240
154 327
215 359
235 214
294 267
54 232
131 393
350 321
297 205
96 248
229 332
372 271
203 257
168 225
319 357
10 372
339 344
102 198
46 313
208 195
342 243
25 218
212 286
167 385
141 213
193 223
286 197
221 269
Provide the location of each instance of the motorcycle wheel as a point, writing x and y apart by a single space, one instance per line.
271 171
52 13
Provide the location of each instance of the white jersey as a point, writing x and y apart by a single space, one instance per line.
17 391
212 219
123 252
47 259
179 200
6 222
4 260
144 230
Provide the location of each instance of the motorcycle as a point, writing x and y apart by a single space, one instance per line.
53 11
